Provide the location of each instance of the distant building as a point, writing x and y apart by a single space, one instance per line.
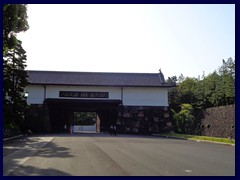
135 102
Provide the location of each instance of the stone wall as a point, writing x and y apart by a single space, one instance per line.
219 122
130 119
143 120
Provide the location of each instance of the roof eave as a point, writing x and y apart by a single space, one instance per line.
107 85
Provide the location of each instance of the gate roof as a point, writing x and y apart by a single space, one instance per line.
98 79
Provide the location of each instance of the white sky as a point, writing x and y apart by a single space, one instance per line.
187 39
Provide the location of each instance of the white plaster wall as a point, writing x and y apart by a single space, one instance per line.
148 96
132 96
35 94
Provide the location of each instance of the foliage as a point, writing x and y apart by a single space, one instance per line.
84 118
14 81
215 89
14 63
14 21
227 82
184 118
10 130
172 80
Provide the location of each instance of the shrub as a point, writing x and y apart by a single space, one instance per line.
10 130
184 118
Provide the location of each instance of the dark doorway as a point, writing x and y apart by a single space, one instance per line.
61 112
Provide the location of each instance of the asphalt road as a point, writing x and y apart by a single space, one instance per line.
121 155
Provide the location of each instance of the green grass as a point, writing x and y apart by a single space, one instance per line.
205 138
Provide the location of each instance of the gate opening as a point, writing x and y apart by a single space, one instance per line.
82 113
85 122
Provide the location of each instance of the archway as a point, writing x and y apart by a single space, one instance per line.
61 112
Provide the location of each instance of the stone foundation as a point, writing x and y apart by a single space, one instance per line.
143 120
129 119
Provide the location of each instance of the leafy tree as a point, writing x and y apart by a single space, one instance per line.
215 89
181 78
15 79
188 90
14 21
85 118
219 86
172 80
227 83
184 119
14 63
211 86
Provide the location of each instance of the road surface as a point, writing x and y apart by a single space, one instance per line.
121 155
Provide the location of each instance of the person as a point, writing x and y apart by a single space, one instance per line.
115 129
65 128
111 129
71 129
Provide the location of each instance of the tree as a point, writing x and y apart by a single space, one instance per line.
14 63
85 118
184 119
15 79
227 88
215 89
181 78
211 86
14 21
172 80
188 90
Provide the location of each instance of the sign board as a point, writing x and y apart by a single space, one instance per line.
83 94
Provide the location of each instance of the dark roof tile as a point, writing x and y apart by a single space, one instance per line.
97 79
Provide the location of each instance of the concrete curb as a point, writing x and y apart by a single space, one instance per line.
211 142
197 140
11 138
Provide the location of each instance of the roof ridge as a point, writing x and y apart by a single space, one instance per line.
90 72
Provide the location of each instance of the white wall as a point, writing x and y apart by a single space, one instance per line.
139 96
132 96
35 94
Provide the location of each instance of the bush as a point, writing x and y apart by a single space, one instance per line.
10 130
184 118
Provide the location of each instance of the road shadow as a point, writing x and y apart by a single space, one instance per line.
35 147
31 146
34 171
51 150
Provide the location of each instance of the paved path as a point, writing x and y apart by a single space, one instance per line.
121 155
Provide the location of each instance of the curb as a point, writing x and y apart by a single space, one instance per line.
11 138
211 142
197 140
170 137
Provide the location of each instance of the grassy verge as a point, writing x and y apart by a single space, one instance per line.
205 138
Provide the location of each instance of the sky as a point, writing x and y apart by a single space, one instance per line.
178 39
